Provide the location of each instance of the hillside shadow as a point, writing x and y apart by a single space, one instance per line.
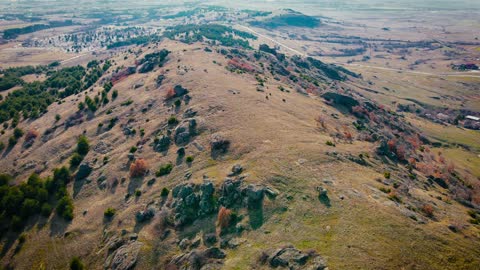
77 186
58 226
256 217
134 184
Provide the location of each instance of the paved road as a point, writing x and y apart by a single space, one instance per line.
453 74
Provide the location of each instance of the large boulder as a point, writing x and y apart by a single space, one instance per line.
207 203
231 192
219 144
162 144
145 215
123 253
184 131
291 258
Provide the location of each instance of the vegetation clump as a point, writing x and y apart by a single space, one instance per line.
164 170
138 168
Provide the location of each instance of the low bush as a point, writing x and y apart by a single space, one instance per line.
110 212
164 169
138 168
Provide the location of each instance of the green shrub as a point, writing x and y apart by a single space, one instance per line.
138 193
177 103
164 170
330 143
172 120
189 159
12 141
75 160
386 175
82 145
133 149
110 212
2 146
76 264
57 117
46 210
18 133
164 192
65 208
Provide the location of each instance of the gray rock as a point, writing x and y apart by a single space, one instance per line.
142 216
219 144
184 244
214 253
236 170
189 113
101 147
163 144
288 257
125 257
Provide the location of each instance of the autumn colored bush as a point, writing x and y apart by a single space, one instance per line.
32 134
224 218
138 168
427 209
170 93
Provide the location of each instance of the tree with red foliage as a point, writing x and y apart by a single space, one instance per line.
138 168
427 209
451 167
392 144
170 93
224 218
32 134
414 141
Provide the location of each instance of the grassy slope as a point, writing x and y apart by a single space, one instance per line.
270 137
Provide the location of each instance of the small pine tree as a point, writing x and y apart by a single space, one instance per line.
83 146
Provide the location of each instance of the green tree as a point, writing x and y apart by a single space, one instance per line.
82 145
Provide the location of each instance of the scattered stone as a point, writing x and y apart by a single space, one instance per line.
184 244
236 170
101 148
198 146
189 113
292 258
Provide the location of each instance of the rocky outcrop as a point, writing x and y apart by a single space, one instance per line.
219 144
210 258
122 252
185 131
292 258
162 144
